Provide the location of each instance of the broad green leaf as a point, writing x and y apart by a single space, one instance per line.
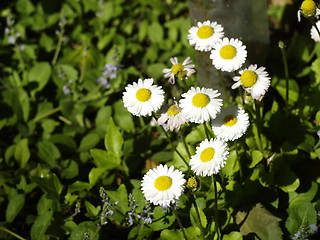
232 236
78 186
136 233
293 90
24 7
194 218
155 32
88 142
70 169
92 211
113 140
104 159
193 233
123 117
16 203
48 152
257 156
51 185
162 156
120 196
22 153
40 73
232 164
95 174
161 220
261 222
295 199
41 225
85 227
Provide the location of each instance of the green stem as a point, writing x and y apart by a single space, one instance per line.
239 162
216 216
286 71
58 48
172 145
185 143
11 233
224 87
207 131
46 114
258 123
18 52
179 222
198 216
140 230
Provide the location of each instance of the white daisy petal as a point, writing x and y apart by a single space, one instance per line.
255 81
143 98
231 123
162 185
210 157
314 33
228 55
180 70
172 118
205 35
200 104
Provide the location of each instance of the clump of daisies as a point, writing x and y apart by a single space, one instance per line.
142 98
205 35
254 81
163 185
178 70
210 157
231 123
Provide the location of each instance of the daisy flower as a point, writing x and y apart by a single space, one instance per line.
143 98
314 33
228 54
173 118
162 185
255 81
308 9
180 70
200 104
205 35
231 123
210 157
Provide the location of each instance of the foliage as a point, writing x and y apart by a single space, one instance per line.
71 154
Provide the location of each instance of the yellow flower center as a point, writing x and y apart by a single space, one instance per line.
200 100
173 110
143 94
205 32
230 120
308 8
248 78
192 182
163 183
228 52
176 68
207 154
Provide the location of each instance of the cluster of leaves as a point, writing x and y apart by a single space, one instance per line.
58 148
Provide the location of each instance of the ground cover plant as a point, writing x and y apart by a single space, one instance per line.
111 128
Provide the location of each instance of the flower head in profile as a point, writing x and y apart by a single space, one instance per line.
314 33
255 81
210 157
162 185
308 9
172 117
143 98
179 70
231 123
200 105
228 54
205 35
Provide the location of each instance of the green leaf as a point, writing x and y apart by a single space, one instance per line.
70 169
155 32
232 164
257 156
22 153
85 227
95 174
193 233
88 142
50 185
41 225
92 211
293 90
48 152
194 218
113 140
104 159
78 186
161 220
40 73
232 236
16 203
120 196
24 7
261 222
